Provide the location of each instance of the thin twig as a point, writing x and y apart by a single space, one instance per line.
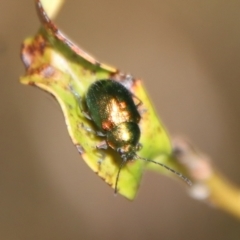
208 184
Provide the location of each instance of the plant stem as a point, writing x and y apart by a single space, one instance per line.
208 184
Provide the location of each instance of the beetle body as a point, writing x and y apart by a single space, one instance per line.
112 109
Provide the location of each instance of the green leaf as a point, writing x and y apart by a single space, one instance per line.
58 66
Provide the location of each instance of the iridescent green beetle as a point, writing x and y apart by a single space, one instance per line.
112 109
114 112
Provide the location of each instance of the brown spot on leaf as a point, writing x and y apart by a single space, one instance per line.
47 71
30 51
80 149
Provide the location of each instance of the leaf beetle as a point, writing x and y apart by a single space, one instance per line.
110 106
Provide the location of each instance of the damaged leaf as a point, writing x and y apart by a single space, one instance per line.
56 65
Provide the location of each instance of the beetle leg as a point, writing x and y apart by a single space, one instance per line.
100 152
79 101
139 101
90 130
142 110
102 145
86 115
100 134
127 83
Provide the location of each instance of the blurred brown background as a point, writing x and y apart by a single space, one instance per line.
188 53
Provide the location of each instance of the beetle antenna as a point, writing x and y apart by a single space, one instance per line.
168 168
118 174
